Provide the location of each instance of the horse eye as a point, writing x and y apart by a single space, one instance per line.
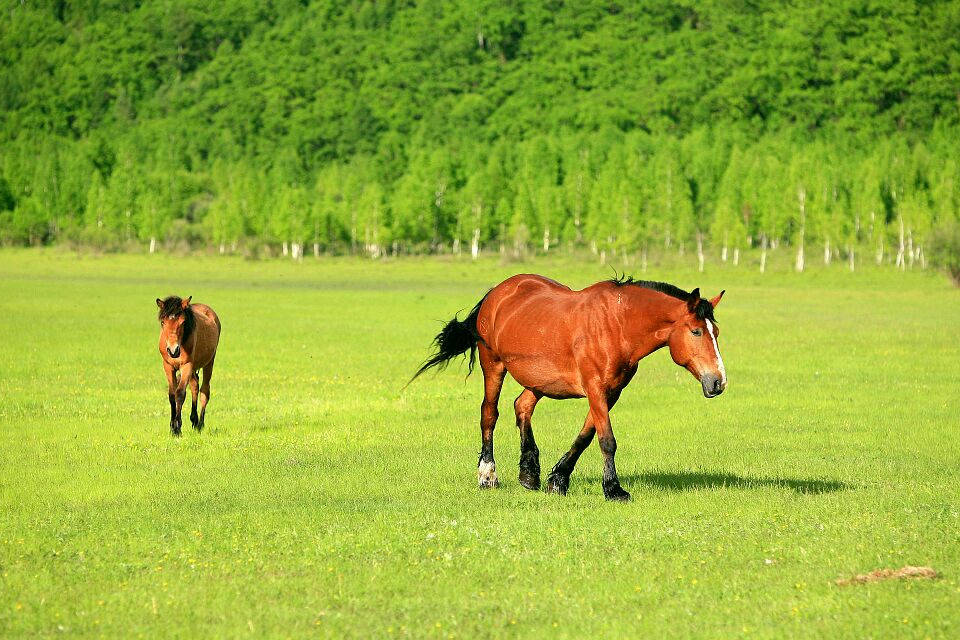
696 332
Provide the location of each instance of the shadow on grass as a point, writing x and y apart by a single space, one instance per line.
693 480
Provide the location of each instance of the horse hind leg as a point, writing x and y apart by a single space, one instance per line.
493 373
524 405
205 393
194 384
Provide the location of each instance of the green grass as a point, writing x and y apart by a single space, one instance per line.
322 500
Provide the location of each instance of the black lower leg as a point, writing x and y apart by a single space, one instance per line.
174 422
559 479
529 459
611 483
194 417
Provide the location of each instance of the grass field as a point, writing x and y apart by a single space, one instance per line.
322 500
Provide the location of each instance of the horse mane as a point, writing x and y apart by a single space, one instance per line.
173 306
703 310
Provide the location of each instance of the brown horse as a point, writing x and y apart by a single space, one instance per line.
561 343
189 334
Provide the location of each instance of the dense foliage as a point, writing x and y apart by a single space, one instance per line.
945 249
448 126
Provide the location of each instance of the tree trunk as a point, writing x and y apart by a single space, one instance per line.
901 264
736 256
802 199
475 244
852 259
700 251
763 254
546 239
316 249
910 256
826 252
153 244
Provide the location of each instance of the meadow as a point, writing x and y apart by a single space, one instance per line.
323 500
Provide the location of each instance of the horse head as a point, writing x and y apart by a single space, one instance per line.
173 316
692 339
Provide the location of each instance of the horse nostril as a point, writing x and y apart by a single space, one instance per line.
717 388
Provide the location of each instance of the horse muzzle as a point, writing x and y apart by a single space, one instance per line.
713 385
175 353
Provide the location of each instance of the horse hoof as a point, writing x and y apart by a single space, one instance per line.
558 484
617 494
487 475
529 480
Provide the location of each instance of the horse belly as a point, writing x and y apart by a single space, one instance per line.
544 377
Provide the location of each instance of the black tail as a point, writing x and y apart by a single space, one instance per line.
455 339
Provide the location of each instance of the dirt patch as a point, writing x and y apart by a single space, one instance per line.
890 574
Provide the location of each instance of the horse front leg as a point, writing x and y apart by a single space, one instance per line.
186 374
559 479
172 396
600 415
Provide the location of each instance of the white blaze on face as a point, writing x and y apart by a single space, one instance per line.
716 350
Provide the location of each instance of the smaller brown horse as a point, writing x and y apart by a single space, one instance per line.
561 343
189 334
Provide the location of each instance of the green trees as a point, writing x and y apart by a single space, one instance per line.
384 128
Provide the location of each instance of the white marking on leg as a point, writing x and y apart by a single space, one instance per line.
487 474
716 349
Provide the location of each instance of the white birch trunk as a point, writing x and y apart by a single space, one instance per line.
802 198
153 245
475 244
901 264
826 252
736 256
700 251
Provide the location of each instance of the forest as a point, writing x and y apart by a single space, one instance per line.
286 127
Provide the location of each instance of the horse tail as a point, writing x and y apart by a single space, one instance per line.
456 337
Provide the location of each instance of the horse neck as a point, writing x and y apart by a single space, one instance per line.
189 328
648 311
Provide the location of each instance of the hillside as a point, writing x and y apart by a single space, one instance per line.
382 126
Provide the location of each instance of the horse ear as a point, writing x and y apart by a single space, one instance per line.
693 299
159 302
186 303
716 300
